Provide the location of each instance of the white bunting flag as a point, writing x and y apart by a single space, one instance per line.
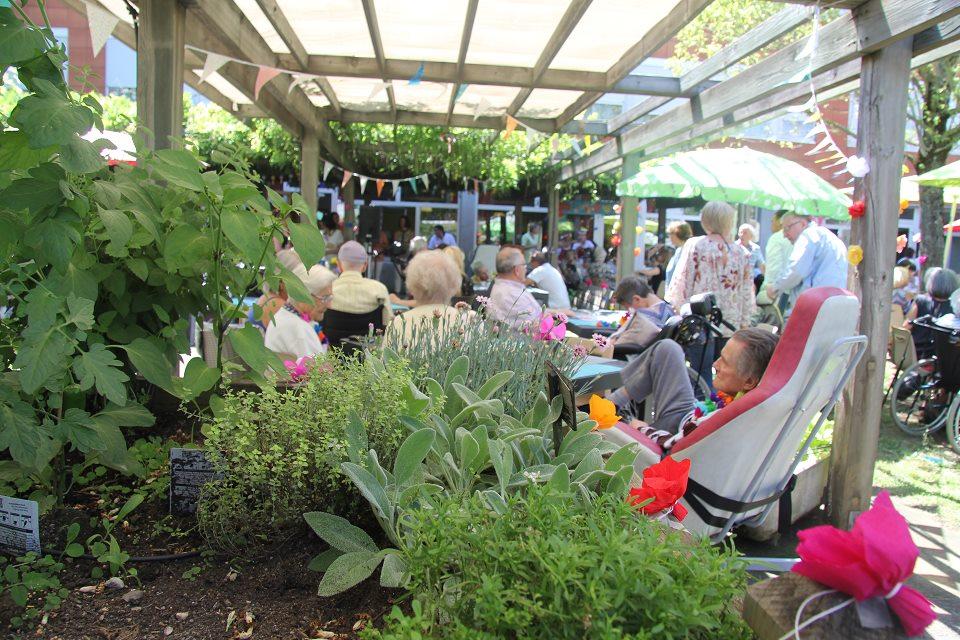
482 107
213 63
298 80
820 146
378 88
395 184
363 183
327 166
426 180
806 106
101 23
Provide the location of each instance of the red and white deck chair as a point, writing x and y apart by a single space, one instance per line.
743 456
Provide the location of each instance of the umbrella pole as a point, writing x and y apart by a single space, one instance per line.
953 216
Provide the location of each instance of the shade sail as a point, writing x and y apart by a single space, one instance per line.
948 176
738 175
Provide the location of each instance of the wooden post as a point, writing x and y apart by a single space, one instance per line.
467 214
553 222
309 171
628 222
160 38
349 212
884 81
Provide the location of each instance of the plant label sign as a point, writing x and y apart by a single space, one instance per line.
19 525
190 469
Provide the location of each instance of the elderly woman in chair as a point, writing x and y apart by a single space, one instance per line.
660 373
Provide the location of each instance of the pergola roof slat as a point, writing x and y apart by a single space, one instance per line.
370 13
465 36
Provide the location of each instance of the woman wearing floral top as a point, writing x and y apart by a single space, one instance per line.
714 263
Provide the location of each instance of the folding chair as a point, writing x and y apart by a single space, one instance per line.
743 456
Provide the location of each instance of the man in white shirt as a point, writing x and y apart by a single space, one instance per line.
531 240
441 238
510 302
546 277
818 259
777 254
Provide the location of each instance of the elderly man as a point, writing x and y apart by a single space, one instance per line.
777 255
661 372
441 238
353 293
545 276
510 302
818 259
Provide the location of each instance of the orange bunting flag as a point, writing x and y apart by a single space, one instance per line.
264 75
346 178
511 125
380 187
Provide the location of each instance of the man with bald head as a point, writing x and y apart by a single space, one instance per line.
818 259
510 302
353 293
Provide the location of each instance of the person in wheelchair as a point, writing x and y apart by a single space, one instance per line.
659 373
647 315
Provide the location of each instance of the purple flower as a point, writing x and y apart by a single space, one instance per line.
600 341
561 318
483 301
580 351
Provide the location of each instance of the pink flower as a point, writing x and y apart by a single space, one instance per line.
600 340
604 285
300 369
551 328
483 300
561 318
580 351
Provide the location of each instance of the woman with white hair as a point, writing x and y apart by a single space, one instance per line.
746 235
434 279
940 285
715 263
291 331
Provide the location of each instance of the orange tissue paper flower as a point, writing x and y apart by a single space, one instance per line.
603 412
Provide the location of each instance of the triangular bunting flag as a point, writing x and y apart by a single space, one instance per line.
816 116
264 75
327 166
346 178
395 184
806 106
379 187
464 184
586 141
298 79
460 90
819 146
413 184
511 125
210 66
839 161
363 183
378 88
576 146
482 107
416 77
816 130
426 180
101 23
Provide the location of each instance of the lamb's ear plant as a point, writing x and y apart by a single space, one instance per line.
471 446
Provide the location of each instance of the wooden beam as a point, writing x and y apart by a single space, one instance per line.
160 72
880 130
373 26
839 4
878 23
628 117
757 38
462 54
568 22
286 32
437 119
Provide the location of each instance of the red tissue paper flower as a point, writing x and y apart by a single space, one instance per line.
857 209
665 482
873 559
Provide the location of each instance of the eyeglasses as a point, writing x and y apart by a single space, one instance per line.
324 299
787 226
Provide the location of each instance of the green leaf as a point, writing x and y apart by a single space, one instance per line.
16 153
50 119
42 355
138 266
186 246
411 454
80 312
131 504
74 280
242 229
81 156
308 241
560 480
180 168
394 571
129 415
357 443
248 343
37 192
501 454
100 367
339 533
20 433
197 378
55 240
74 550
494 384
322 561
347 571
149 360
18 593
115 454
372 490
19 43
119 229
77 428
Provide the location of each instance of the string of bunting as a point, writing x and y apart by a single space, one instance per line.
478 185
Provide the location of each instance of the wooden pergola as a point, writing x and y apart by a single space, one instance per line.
466 63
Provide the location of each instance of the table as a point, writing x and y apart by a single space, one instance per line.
399 308
597 374
584 322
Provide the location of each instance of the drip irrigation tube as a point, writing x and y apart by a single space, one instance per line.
161 558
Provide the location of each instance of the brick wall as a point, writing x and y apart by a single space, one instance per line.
78 45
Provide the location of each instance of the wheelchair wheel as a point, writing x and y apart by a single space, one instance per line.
917 403
701 390
953 423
